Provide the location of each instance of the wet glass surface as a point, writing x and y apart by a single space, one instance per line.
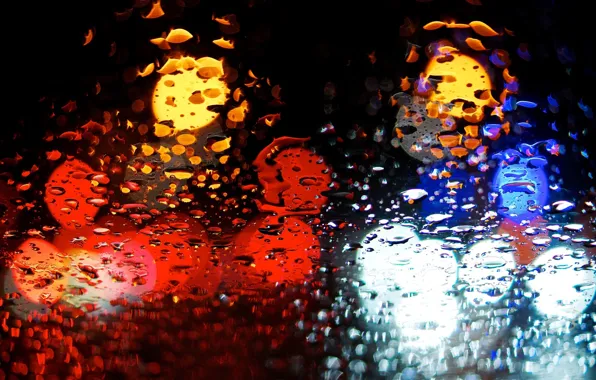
258 189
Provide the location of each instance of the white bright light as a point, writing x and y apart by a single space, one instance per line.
562 290
406 285
485 270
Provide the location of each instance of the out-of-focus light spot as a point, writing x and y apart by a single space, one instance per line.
39 274
273 251
71 195
184 95
485 269
293 175
406 283
522 188
462 76
105 266
562 287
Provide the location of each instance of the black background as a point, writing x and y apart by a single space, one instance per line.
300 45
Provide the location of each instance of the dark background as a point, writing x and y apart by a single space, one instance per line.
300 45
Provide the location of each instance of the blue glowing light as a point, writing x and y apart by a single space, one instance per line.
522 189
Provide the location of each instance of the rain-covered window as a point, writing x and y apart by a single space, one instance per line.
275 189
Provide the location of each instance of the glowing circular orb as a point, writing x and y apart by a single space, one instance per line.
430 315
271 250
386 258
486 271
293 175
406 283
185 95
108 263
100 280
463 79
563 288
70 195
308 177
39 274
521 188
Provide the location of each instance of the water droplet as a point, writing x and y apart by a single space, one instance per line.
493 262
414 195
541 241
573 227
56 190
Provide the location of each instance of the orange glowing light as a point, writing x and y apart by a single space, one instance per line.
39 272
178 36
483 29
238 114
472 143
405 84
506 127
156 11
438 153
432 110
147 70
508 77
434 25
448 141
161 43
459 151
270 120
220 146
455 25
224 44
447 49
475 44
187 89
412 55
186 139
471 130
89 37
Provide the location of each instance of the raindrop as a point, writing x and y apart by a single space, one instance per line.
493 262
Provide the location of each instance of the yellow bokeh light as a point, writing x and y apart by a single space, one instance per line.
184 95
463 80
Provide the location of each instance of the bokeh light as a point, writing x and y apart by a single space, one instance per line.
563 282
185 92
211 189
487 271
402 280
